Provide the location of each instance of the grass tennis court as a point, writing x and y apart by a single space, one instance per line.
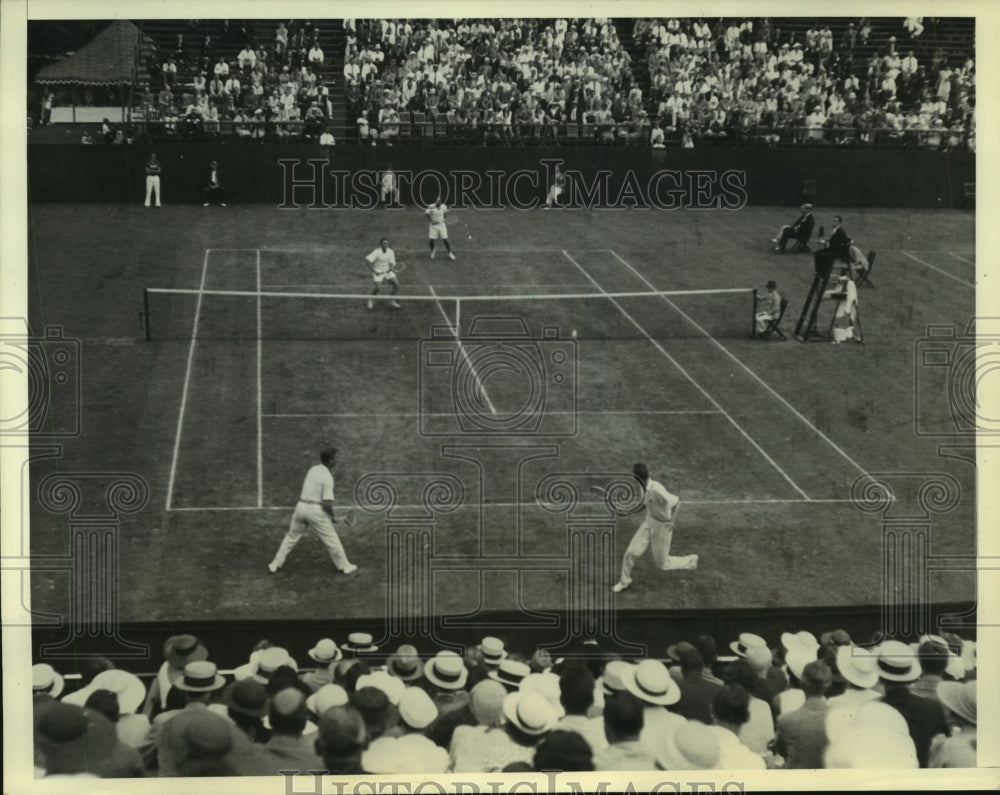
223 412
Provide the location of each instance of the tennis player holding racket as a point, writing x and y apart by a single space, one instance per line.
657 529
314 511
383 265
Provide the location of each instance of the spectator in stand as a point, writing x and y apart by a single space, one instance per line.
800 736
247 59
897 667
341 740
169 72
484 747
576 697
697 693
563 750
316 54
623 722
860 674
287 749
117 695
957 748
932 655
758 729
71 740
221 68
246 704
731 711
869 735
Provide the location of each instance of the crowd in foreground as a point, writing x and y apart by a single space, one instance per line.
357 709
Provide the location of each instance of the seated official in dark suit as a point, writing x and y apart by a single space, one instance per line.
800 230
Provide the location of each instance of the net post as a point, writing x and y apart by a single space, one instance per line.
753 316
145 311
458 318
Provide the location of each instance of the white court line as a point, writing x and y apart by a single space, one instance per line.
346 250
187 380
687 375
762 501
260 421
457 331
597 413
740 362
963 259
942 272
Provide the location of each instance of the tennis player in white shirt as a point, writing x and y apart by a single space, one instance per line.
382 262
438 229
314 511
657 529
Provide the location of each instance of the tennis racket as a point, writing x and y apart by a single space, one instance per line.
348 517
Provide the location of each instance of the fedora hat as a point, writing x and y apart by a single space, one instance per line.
675 650
180 650
360 643
511 672
446 670
651 682
493 650
837 637
46 681
200 676
129 689
692 746
531 712
745 641
247 697
613 678
325 652
960 698
326 697
858 666
404 663
392 686
417 709
798 658
897 662
73 739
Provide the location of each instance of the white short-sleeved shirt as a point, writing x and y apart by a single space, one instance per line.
436 213
318 485
659 502
388 180
382 261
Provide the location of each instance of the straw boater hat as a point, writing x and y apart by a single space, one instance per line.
129 689
46 681
405 663
264 662
200 676
493 650
858 666
548 685
180 650
652 683
392 686
325 652
360 643
531 712
746 640
417 709
897 662
511 672
446 670
613 678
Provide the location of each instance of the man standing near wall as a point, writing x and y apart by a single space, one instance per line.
213 190
152 179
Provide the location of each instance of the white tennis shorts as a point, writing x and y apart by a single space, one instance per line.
438 232
388 276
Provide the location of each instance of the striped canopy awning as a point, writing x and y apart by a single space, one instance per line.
106 60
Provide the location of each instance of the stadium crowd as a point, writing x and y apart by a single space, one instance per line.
356 709
268 93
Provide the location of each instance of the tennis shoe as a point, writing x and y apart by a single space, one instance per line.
371 304
451 255
774 240
395 305
432 254
272 568
205 204
619 586
350 568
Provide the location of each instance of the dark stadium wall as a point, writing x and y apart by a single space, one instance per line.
623 177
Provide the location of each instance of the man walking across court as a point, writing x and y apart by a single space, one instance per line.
657 529
314 511
438 229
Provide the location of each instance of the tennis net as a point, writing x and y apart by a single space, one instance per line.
175 314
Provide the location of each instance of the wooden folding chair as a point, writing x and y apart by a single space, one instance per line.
865 277
772 325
